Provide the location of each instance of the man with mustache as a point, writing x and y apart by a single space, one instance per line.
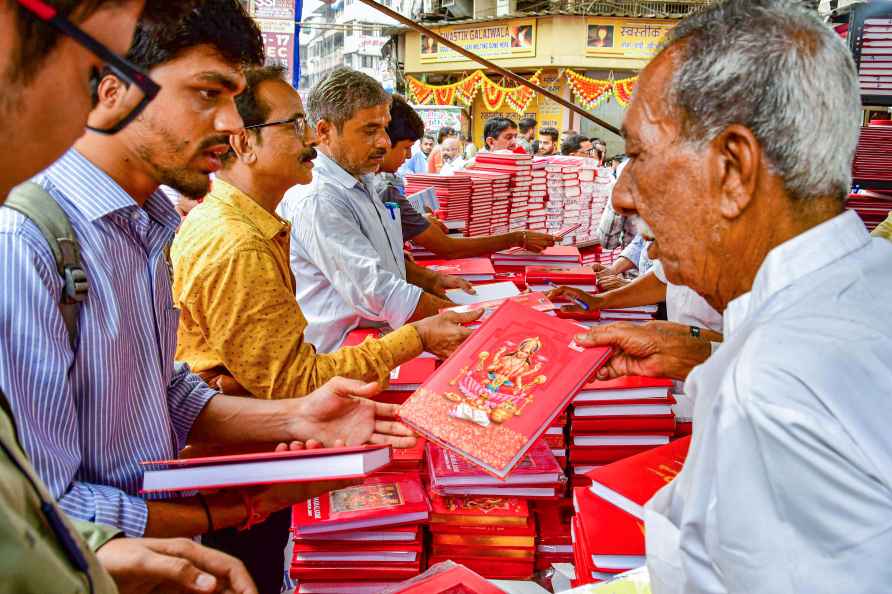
90 407
786 485
346 244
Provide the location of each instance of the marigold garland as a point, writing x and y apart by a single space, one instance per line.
588 91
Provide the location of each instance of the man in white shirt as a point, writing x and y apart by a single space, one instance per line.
788 483
346 244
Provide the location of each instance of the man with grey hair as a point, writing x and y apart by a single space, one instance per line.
346 244
741 136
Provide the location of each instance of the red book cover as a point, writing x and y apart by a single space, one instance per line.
609 532
529 529
553 253
541 275
537 467
625 388
630 483
370 571
471 269
603 455
498 392
383 499
411 534
501 553
580 401
475 511
411 374
656 425
409 456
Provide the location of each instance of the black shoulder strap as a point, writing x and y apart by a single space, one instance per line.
35 203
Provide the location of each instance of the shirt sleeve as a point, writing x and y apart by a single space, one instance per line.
251 321
187 395
799 492
95 535
34 363
332 239
632 252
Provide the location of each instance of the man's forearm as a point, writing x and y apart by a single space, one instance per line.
186 517
428 305
236 420
420 276
469 247
644 290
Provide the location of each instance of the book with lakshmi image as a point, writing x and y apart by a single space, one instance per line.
501 389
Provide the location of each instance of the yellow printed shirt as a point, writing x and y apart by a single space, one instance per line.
239 315
884 229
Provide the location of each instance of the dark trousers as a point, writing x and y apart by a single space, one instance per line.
261 549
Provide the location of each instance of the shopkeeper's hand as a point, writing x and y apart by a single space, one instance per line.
609 282
593 302
533 240
654 349
433 220
444 282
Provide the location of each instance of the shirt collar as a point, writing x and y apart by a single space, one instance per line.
327 165
797 258
268 224
96 194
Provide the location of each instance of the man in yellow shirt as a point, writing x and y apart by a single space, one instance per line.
232 280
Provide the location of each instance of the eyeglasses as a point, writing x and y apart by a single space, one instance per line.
140 88
301 126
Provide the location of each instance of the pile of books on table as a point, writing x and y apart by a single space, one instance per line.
362 537
875 67
608 528
618 418
873 157
564 194
538 213
517 259
493 536
872 207
641 313
554 542
453 193
519 166
544 278
497 205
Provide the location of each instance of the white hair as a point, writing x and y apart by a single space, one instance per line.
774 67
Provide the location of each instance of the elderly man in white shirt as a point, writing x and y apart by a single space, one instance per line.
742 133
346 244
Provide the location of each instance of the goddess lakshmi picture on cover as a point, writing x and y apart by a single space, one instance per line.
496 389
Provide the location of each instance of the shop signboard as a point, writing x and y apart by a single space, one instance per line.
512 39
272 9
441 116
626 38
278 42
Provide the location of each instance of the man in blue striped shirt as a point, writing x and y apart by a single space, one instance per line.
88 416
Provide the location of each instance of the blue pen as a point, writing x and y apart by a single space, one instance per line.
392 208
578 302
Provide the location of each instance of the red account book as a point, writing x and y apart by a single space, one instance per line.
630 483
499 391
381 500
631 387
470 269
614 539
216 472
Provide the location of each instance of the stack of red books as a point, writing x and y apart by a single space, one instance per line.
365 533
453 193
590 255
517 259
872 207
471 269
555 437
446 578
501 196
618 418
494 536
554 542
519 166
873 157
608 528
404 379
875 65
537 476
538 196
543 278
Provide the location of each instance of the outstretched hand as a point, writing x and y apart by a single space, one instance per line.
341 414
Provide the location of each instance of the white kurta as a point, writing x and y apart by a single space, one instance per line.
788 483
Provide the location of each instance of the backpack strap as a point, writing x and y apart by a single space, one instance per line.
36 204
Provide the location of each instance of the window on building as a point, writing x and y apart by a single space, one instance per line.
368 61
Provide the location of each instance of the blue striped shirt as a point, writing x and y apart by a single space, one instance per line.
87 418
